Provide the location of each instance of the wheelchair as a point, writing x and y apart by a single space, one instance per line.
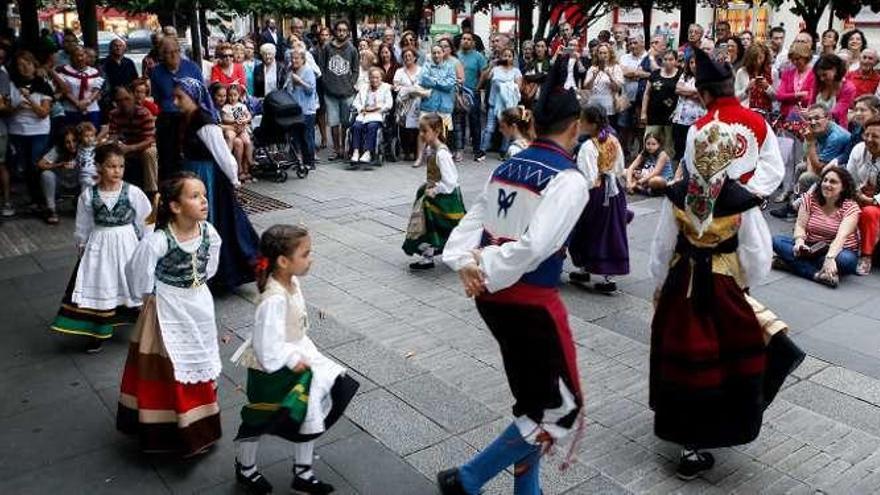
384 138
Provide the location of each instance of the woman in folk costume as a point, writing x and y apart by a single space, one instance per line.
206 154
110 217
295 392
168 394
599 245
709 377
439 198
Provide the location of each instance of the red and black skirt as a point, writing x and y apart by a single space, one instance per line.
708 361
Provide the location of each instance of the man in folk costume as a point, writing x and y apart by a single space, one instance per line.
757 164
709 360
509 250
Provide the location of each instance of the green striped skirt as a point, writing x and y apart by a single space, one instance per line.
441 214
277 403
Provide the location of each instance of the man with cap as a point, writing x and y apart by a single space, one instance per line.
508 251
718 357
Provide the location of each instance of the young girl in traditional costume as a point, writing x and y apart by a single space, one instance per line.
109 220
294 391
599 245
439 198
516 127
168 394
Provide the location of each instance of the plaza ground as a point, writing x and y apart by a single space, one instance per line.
433 389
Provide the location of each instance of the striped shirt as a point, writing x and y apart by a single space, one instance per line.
822 227
135 128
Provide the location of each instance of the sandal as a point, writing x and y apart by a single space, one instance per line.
864 266
827 280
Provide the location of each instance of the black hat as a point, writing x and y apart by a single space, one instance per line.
710 71
556 103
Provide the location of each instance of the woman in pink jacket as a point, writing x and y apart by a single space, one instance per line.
797 84
832 90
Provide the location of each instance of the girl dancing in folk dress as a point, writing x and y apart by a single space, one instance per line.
168 394
109 220
599 244
439 198
294 391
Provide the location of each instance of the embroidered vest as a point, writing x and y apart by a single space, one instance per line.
122 213
432 169
180 268
297 319
517 186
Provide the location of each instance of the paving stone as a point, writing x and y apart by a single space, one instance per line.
31 439
809 367
109 470
442 403
855 446
279 474
18 266
835 405
798 313
375 362
787 485
555 481
359 458
393 422
40 384
850 383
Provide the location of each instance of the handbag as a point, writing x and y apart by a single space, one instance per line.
416 226
464 99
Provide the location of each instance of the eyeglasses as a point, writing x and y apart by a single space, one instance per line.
226 55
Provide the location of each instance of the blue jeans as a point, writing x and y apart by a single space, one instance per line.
489 130
783 246
363 136
509 448
28 151
304 139
464 121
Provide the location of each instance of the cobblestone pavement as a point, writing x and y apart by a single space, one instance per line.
433 388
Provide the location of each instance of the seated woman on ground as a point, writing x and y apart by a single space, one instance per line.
651 162
825 244
58 167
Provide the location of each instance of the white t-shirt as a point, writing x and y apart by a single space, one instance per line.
24 122
74 79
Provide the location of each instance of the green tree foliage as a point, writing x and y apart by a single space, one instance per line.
845 9
809 10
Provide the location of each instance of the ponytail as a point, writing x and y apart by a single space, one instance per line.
277 240
170 191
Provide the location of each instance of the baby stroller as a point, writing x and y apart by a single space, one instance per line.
274 152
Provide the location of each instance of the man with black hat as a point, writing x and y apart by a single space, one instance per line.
718 357
508 251
758 162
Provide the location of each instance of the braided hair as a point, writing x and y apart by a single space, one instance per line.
277 240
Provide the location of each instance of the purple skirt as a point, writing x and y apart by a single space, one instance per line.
598 241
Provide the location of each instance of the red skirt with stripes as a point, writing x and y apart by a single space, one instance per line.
166 415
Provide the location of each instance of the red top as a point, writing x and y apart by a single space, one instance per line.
151 106
237 77
822 227
865 84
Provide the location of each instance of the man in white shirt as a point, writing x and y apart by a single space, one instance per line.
508 251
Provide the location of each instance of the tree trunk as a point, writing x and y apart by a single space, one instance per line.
4 18
203 27
646 20
88 20
415 15
352 22
195 39
831 18
526 24
30 22
543 19
688 16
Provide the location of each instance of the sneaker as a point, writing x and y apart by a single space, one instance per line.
449 483
690 466
480 156
355 157
311 486
7 210
457 157
785 212
95 346
827 280
579 277
52 218
779 264
421 265
255 484
864 266
365 158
